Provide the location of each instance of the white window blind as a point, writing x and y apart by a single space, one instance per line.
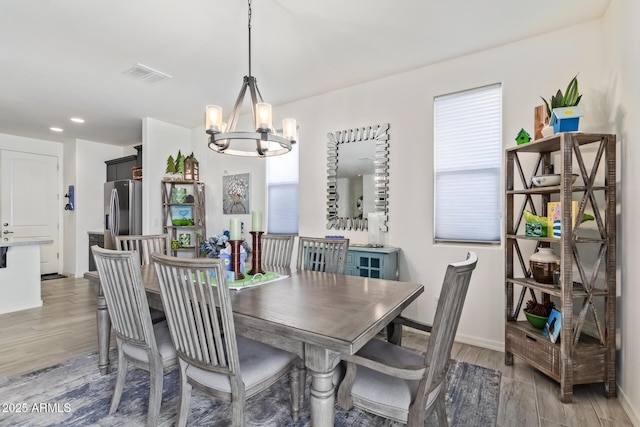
282 192
468 158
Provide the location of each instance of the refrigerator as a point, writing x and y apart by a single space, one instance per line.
122 210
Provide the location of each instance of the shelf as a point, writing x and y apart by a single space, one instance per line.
580 358
555 290
554 239
195 213
554 189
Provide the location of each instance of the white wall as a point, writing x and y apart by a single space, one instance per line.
621 90
526 70
88 177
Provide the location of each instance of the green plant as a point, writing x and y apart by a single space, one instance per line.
570 98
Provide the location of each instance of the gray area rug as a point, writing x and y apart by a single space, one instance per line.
75 394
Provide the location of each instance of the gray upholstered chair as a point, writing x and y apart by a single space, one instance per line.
328 255
211 357
140 342
277 250
401 384
145 245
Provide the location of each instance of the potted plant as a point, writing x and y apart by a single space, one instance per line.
561 116
537 313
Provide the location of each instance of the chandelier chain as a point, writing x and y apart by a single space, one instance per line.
249 28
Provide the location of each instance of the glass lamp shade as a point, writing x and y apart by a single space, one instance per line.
263 117
214 119
289 129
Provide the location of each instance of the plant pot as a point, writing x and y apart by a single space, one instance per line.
543 264
537 322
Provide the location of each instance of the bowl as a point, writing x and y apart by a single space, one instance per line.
537 322
551 179
543 271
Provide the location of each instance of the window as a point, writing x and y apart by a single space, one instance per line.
282 192
468 156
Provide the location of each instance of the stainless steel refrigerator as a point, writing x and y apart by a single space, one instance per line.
122 210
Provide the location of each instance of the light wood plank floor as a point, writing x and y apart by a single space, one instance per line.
65 327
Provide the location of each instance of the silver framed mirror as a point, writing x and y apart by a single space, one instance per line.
357 177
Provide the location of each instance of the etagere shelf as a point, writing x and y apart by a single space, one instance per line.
195 205
586 294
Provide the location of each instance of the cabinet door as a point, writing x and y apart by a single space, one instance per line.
370 266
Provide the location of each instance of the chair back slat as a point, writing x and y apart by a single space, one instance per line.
123 289
327 255
277 250
191 289
144 245
446 320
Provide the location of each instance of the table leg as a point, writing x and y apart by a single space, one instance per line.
104 331
321 365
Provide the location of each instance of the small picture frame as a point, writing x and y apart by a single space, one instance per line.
182 215
552 328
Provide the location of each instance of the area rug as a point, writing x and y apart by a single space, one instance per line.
52 276
75 394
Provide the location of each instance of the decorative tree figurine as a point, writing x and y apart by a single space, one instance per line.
180 163
171 165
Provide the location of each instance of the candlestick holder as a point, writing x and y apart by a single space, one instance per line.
235 258
256 258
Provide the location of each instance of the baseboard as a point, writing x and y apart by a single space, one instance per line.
628 407
491 345
20 307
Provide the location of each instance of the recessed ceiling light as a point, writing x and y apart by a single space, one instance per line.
55 129
77 120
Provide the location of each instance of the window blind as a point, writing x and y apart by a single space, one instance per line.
468 157
282 192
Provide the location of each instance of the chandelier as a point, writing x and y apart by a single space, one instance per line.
268 143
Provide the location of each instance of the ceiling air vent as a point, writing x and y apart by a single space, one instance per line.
146 74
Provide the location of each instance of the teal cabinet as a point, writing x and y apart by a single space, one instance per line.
377 263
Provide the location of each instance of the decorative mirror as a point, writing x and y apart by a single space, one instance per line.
358 177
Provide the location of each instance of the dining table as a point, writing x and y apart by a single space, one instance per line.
318 316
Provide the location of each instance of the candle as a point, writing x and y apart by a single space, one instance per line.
256 220
234 229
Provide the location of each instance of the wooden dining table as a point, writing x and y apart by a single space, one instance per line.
318 316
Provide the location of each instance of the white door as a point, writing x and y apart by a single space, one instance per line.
29 202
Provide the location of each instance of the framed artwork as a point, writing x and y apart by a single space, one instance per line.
236 194
552 328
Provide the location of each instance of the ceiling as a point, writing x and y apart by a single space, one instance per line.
65 58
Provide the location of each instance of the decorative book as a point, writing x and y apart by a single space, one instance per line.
554 216
552 328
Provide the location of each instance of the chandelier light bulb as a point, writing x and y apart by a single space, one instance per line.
263 117
289 129
214 118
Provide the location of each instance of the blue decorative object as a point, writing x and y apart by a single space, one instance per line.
566 119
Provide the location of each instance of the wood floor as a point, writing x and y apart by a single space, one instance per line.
65 327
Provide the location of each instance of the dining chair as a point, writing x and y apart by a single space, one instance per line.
140 342
401 384
328 255
145 245
212 358
277 250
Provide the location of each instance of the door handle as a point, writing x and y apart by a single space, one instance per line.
5 224
7 232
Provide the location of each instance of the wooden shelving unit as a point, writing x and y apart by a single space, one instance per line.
585 352
197 230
